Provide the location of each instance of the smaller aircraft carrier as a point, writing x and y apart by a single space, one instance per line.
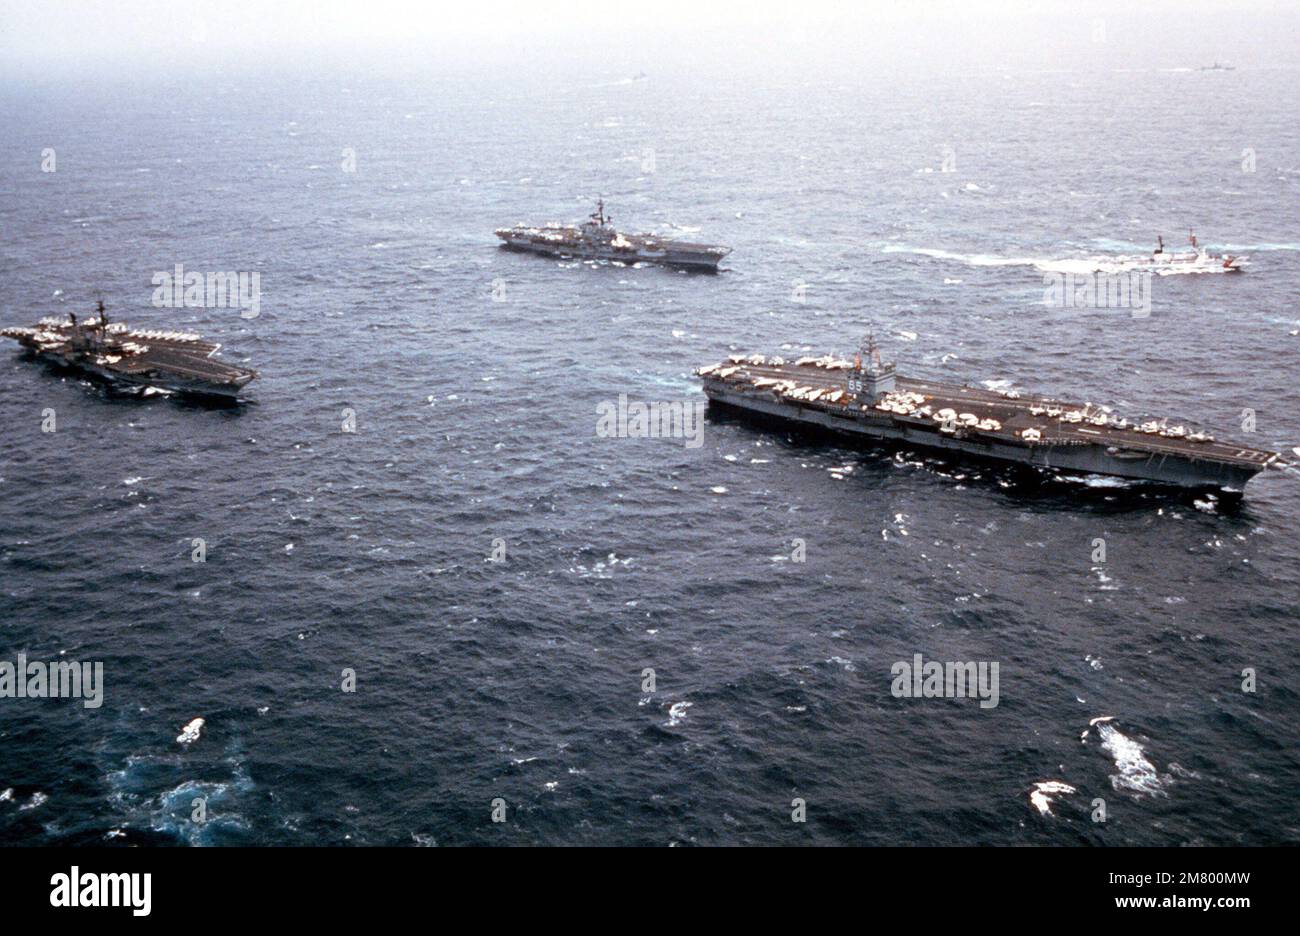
865 398
121 356
596 239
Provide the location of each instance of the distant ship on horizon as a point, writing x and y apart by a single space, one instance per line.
596 239
1197 260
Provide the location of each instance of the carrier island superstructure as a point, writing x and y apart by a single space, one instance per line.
866 398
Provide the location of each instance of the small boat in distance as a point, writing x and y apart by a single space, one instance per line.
1217 67
596 239
1196 258
1163 262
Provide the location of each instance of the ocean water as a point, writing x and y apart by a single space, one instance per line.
474 377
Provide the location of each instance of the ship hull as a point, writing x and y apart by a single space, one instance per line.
1187 264
877 428
193 389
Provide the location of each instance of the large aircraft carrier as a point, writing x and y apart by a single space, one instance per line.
120 356
866 398
596 239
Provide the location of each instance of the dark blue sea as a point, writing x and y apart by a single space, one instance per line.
474 377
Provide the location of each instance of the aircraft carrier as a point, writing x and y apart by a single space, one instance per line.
596 239
867 399
121 356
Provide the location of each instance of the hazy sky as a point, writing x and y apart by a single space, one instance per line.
43 37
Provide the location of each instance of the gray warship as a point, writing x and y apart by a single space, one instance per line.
115 354
596 239
865 398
